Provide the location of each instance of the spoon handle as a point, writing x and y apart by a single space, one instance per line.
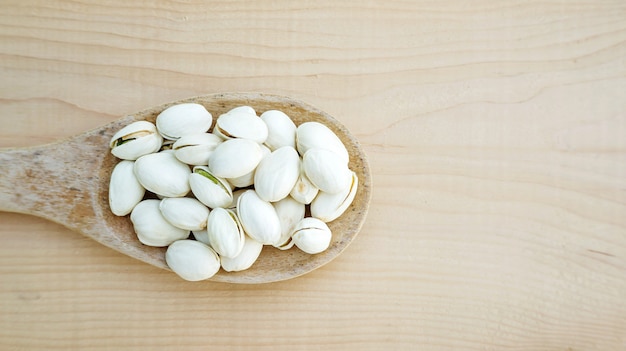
54 181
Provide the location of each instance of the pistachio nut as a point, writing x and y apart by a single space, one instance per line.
209 189
246 258
248 179
225 232
240 123
277 174
151 227
201 236
315 135
258 218
304 191
135 140
329 207
326 170
281 129
289 213
195 149
236 194
311 235
125 191
235 157
185 212
192 260
183 119
163 174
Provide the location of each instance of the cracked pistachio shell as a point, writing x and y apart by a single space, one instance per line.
125 191
183 119
195 149
192 260
258 218
329 207
326 170
235 157
249 254
289 213
135 140
163 174
185 212
281 129
304 191
314 135
248 179
277 174
152 228
210 190
241 123
311 235
225 232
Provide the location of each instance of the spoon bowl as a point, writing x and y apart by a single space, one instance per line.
68 182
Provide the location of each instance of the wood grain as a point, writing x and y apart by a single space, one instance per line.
495 134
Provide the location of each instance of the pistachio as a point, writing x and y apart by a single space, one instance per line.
311 235
201 236
241 123
209 189
195 149
281 129
248 178
183 119
314 135
163 174
329 207
192 260
125 192
152 228
289 213
135 140
277 174
246 258
225 232
235 158
326 170
258 218
303 191
185 212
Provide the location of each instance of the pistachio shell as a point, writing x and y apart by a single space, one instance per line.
235 158
248 179
201 236
183 119
163 174
225 232
195 149
192 260
185 212
209 189
304 191
241 124
326 170
125 191
135 140
152 228
258 218
277 174
314 135
281 129
329 207
311 235
289 213
246 258
236 194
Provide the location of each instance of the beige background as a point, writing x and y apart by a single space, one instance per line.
496 132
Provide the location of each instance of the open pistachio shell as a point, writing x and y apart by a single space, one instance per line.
289 213
183 119
329 207
258 218
152 228
135 140
210 190
311 235
225 232
241 124
195 149
125 191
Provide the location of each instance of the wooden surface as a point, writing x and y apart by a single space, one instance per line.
495 132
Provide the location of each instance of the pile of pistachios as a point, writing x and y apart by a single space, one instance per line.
214 195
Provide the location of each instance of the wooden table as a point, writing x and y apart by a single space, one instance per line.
496 133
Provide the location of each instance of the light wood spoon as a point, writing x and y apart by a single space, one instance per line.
68 182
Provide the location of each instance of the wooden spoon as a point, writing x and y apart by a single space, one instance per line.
68 182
